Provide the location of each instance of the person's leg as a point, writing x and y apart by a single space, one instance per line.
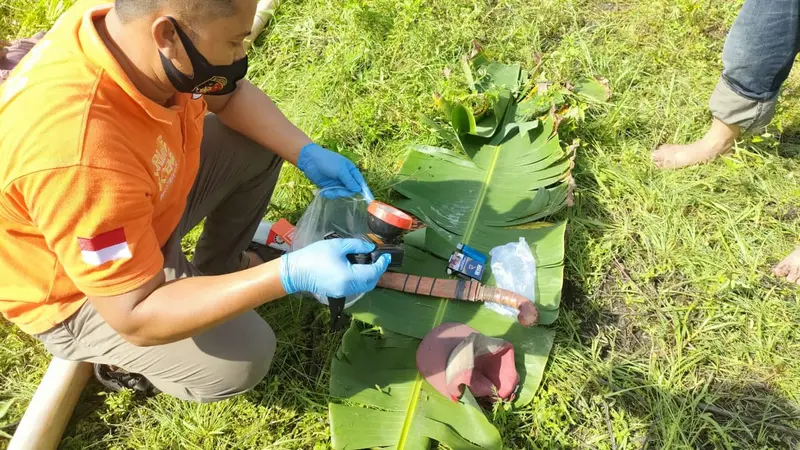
757 58
233 187
220 363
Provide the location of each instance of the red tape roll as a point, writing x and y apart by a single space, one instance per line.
390 215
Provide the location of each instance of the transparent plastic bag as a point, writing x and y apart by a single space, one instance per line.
331 212
514 269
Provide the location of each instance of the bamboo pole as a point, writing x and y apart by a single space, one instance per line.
52 405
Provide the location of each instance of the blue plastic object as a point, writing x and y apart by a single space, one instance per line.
467 262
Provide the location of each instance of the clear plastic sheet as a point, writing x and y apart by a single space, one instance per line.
331 212
514 269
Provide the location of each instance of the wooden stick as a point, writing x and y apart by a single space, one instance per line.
265 11
468 291
48 413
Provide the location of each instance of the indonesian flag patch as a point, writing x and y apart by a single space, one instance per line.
109 246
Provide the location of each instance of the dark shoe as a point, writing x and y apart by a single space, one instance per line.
266 254
116 379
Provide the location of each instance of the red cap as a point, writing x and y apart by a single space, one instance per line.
390 215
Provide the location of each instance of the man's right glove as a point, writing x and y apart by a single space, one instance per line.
322 268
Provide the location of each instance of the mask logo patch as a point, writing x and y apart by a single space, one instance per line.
213 84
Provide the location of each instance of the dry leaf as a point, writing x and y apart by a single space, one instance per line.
476 49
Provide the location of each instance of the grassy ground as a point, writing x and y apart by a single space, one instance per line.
672 334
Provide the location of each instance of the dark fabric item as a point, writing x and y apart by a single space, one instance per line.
454 355
265 253
232 191
116 380
207 78
15 52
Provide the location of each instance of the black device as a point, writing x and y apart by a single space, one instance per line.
387 225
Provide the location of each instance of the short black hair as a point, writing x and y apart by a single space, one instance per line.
192 9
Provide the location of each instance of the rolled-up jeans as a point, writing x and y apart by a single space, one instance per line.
757 58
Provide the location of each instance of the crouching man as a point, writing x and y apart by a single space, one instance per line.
124 127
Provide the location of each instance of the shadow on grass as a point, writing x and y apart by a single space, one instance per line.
718 414
711 414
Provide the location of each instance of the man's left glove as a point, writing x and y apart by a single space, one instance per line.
328 169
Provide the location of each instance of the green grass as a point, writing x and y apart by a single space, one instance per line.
673 334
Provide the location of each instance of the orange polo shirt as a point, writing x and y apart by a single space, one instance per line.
94 176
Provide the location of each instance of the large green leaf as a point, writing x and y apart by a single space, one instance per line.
381 373
409 411
519 181
505 174
483 111
485 200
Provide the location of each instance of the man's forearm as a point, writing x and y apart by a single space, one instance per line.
186 307
252 113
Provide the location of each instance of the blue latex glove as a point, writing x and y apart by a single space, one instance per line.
322 268
329 169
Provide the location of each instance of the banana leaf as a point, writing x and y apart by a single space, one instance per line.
389 405
496 84
493 198
507 174
382 373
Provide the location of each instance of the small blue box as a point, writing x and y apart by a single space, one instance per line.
468 262
473 253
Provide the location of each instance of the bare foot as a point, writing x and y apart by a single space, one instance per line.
718 140
789 268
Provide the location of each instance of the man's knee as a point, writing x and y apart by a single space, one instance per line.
244 365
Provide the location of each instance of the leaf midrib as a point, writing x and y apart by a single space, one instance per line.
415 391
473 218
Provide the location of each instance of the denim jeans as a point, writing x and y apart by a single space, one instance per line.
757 58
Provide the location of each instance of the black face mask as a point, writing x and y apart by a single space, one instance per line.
208 79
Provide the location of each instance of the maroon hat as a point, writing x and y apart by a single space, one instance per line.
453 355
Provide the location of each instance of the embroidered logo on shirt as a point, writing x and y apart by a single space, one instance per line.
109 246
164 166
